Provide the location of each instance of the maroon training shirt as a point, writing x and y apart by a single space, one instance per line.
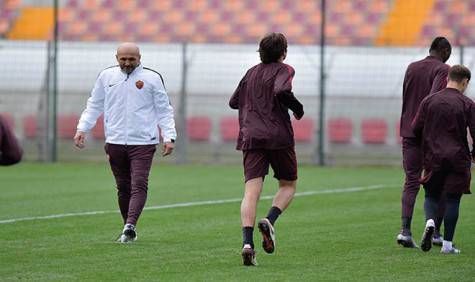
263 98
422 78
441 126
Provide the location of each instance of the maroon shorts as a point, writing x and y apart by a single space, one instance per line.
283 162
446 181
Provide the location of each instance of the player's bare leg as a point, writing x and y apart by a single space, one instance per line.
252 192
285 194
281 201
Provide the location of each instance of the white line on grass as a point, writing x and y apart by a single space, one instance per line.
199 203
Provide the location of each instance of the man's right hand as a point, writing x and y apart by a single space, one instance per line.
297 117
80 139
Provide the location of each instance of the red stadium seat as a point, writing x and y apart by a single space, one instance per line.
98 130
340 130
67 126
229 128
374 131
303 130
198 128
30 124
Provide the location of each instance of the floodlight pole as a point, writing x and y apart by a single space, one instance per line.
54 151
181 124
52 92
321 112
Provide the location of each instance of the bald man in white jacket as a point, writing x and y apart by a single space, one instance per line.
134 102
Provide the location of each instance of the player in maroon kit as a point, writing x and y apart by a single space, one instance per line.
421 79
10 150
441 128
263 98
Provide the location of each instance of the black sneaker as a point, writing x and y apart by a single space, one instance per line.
268 235
406 241
248 256
426 243
129 233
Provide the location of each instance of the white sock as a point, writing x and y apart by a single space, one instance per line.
447 245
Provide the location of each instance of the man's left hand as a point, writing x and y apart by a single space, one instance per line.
167 148
296 116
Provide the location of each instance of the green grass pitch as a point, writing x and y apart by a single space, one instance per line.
346 236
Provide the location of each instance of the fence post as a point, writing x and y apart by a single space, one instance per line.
181 118
54 100
321 112
47 145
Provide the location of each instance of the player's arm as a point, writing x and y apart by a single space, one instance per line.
440 80
94 108
471 127
283 80
165 117
283 91
10 150
419 120
290 101
405 83
234 101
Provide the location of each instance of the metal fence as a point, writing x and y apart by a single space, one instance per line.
44 87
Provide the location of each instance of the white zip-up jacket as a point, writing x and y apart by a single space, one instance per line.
133 106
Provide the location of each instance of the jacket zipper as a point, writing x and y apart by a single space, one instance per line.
126 113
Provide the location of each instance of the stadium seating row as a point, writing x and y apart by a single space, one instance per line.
198 21
340 130
220 21
454 19
356 22
8 12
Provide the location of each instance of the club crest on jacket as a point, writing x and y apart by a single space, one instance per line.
139 84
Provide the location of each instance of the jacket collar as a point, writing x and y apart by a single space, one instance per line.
454 90
434 58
